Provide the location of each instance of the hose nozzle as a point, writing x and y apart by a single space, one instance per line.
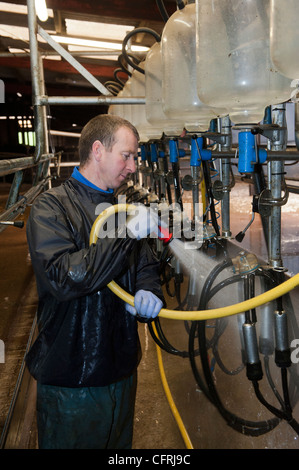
164 235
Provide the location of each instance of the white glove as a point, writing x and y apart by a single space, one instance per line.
146 304
142 222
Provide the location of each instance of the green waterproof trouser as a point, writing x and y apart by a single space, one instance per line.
86 418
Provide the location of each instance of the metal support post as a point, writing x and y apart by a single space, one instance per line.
225 128
276 178
37 77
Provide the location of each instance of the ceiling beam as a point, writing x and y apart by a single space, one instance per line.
17 19
59 66
135 10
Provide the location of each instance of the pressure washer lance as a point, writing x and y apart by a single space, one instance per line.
16 223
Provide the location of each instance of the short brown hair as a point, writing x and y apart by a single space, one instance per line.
103 128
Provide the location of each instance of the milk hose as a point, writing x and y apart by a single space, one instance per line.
93 237
229 310
246 427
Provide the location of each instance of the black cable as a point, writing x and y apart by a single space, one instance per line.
208 185
194 368
270 381
133 33
121 59
118 80
286 412
247 427
275 411
241 425
285 389
217 336
158 342
164 342
167 287
113 87
211 278
181 4
162 10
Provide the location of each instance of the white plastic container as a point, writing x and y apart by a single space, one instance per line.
234 69
126 109
153 87
179 84
116 109
138 118
284 28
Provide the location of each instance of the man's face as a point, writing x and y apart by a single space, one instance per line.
115 165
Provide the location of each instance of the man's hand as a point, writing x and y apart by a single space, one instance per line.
146 304
142 222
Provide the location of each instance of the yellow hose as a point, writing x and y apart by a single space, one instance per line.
233 309
172 405
130 299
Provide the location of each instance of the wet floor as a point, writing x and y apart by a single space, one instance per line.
18 302
155 426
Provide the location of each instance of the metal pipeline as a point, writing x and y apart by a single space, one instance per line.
286 155
275 182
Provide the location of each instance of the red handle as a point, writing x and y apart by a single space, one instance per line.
166 236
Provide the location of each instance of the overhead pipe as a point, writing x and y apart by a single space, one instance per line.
104 100
286 155
275 181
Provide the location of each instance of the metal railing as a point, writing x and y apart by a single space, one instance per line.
16 203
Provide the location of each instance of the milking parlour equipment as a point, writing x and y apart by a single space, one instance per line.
219 112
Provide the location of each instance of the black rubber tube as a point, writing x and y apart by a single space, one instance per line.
133 33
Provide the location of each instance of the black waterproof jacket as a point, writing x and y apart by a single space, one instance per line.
86 337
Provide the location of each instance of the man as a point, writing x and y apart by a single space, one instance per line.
87 351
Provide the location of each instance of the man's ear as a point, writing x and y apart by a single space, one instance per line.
97 150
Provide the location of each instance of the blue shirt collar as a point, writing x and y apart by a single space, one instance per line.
79 177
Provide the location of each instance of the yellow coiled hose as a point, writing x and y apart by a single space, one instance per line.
233 309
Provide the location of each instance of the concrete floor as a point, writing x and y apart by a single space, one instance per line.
155 426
